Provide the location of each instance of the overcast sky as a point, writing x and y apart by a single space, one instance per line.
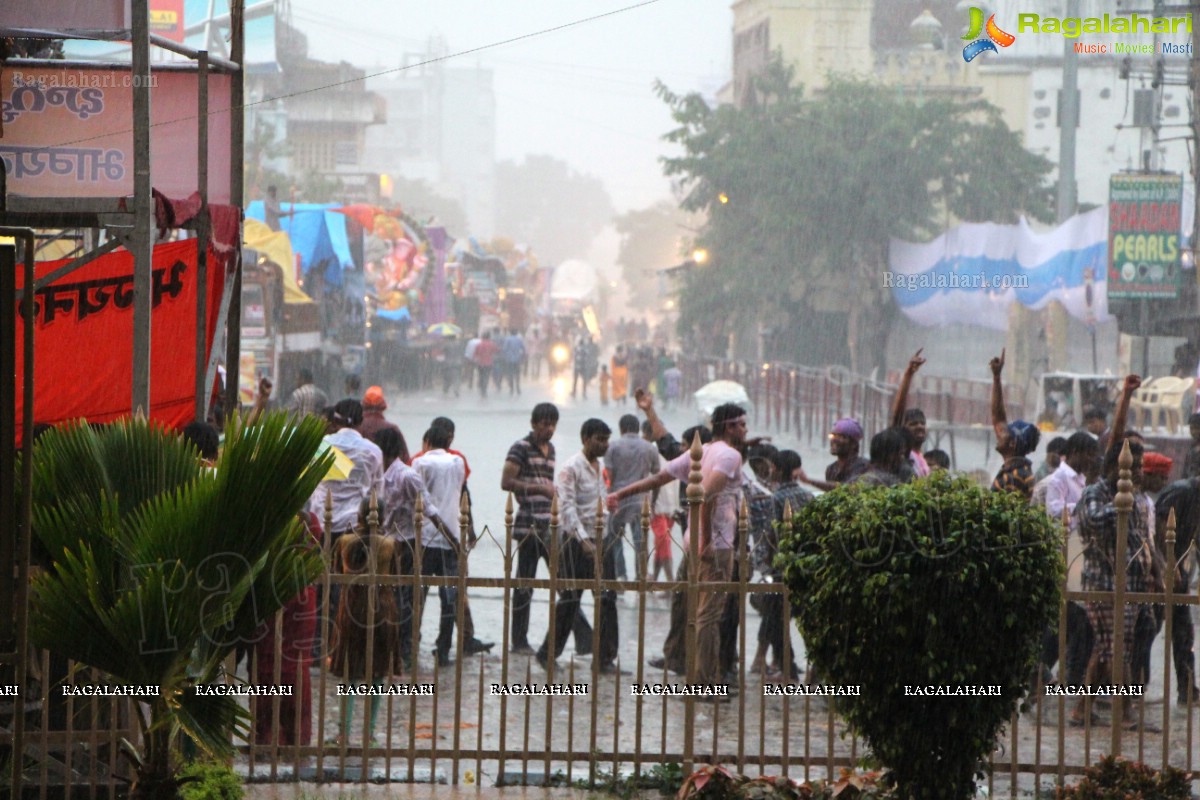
582 94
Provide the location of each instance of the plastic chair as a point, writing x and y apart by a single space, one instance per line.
1170 404
1146 398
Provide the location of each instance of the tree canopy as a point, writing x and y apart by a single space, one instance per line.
651 240
802 195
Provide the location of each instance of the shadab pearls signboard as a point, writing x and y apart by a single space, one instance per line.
1143 235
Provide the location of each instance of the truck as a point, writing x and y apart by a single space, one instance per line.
278 338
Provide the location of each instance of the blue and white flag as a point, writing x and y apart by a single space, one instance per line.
972 273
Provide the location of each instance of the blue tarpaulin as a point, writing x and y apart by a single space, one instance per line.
317 235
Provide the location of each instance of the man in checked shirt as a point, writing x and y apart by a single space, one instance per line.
580 487
1097 517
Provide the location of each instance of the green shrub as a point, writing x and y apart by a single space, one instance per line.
934 583
209 780
1117 779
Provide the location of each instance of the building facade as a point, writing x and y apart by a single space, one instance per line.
441 129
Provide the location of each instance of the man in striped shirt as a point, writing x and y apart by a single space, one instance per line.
529 474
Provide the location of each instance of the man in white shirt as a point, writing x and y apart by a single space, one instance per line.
348 495
469 360
443 474
364 478
580 487
402 486
1064 489
1068 481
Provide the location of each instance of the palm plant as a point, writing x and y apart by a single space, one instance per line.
157 567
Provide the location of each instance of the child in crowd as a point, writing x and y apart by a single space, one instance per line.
605 384
937 459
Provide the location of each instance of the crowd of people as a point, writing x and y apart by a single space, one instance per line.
499 358
1078 483
601 490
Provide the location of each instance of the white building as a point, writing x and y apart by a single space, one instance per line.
440 128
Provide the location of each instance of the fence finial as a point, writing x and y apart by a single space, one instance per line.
695 494
373 513
1124 498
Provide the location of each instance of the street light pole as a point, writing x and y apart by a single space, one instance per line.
1068 123
1067 196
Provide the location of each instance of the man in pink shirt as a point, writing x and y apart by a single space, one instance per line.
721 480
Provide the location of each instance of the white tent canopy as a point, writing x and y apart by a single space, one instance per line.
573 280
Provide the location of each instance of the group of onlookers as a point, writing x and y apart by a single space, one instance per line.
601 490
1078 481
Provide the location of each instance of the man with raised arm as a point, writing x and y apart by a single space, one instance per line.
721 480
911 418
1097 519
1014 441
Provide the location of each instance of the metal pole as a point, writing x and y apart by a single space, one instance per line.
8 499
8 453
1143 331
142 243
1068 122
1067 200
1123 503
18 554
695 500
202 232
1194 83
237 91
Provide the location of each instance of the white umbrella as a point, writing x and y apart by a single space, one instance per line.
713 394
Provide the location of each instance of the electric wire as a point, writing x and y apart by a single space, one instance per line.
363 78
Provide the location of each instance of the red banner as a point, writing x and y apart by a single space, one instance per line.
83 337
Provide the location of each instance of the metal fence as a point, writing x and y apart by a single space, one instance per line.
447 724
805 401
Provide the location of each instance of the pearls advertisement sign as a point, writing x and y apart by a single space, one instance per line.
1143 235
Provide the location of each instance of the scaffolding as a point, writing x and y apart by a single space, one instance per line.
102 225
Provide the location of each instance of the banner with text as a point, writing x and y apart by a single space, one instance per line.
974 272
83 332
68 132
94 16
1143 235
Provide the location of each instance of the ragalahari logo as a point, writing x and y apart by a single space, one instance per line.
995 36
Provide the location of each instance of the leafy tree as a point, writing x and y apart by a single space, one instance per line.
803 195
158 567
931 585
544 203
262 147
650 241
315 187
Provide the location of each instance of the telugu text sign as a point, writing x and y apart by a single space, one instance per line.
68 132
83 327
1143 235
65 15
